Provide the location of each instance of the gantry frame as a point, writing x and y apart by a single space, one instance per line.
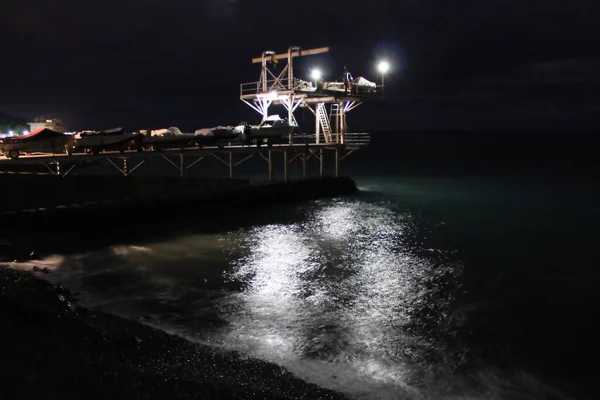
280 88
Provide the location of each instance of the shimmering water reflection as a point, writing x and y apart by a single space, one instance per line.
342 288
341 293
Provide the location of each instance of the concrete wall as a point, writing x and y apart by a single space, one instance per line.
28 192
23 192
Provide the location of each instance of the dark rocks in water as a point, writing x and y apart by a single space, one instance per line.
49 350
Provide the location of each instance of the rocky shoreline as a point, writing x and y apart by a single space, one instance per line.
52 347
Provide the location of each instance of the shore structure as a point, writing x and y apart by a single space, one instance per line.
326 148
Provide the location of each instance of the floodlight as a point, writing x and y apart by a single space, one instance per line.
383 67
315 74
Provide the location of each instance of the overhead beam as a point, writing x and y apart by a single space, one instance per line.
296 53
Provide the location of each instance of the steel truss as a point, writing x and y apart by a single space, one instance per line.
232 157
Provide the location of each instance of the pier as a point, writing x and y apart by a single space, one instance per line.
183 159
325 149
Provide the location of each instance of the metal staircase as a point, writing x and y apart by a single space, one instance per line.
324 122
335 119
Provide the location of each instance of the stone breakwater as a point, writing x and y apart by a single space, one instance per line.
26 194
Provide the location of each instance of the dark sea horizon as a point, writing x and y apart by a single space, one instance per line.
452 274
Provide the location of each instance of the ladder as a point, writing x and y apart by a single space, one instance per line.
335 119
324 122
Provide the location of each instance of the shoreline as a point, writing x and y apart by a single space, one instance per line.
42 231
52 347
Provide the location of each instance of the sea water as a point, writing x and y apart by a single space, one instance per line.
417 287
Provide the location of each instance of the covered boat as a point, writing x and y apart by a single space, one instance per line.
42 140
169 138
217 136
94 142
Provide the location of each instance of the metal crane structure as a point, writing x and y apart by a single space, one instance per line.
283 88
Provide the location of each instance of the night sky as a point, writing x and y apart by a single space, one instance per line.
476 65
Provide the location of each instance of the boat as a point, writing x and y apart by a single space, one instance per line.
273 129
42 140
356 86
93 142
170 138
217 136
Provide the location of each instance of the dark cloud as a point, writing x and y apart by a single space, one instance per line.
463 60
549 96
567 71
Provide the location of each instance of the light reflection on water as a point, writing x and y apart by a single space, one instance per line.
337 296
339 289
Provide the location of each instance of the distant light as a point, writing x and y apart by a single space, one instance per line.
25 132
383 67
10 132
315 74
48 121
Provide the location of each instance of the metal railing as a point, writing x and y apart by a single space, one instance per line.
357 139
254 88
350 139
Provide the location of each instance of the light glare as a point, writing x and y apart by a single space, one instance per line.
383 67
315 74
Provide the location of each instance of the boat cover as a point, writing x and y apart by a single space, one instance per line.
360 81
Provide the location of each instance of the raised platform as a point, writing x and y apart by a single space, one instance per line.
352 141
278 95
185 158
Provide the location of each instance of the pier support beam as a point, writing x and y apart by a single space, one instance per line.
304 165
337 162
58 170
231 164
321 162
181 167
125 170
